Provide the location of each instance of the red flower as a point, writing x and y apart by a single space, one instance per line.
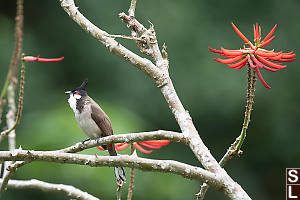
152 144
32 59
255 55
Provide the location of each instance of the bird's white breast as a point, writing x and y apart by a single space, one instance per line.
72 102
86 123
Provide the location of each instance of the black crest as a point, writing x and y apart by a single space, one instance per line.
83 85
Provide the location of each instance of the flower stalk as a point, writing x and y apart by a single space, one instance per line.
251 80
235 148
20 105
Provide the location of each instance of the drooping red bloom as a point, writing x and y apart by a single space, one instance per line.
32 59
152 144
257 57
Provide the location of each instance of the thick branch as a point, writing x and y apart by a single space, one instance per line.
167 166
128 138
50 187
113 46
159 73
123 138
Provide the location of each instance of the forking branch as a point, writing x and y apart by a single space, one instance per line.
158 72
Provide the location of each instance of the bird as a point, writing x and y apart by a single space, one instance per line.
93 121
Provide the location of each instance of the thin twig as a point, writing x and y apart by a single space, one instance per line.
50 187
131 183
10 170
127 37
131 10
16 53
20 105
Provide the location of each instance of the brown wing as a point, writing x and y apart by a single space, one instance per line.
101 119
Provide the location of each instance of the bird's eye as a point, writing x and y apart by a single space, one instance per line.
77 93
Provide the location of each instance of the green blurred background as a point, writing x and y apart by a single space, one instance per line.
213 93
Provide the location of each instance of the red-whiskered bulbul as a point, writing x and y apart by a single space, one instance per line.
93 121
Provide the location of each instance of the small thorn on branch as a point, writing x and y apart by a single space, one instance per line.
164 51
132 23
140 39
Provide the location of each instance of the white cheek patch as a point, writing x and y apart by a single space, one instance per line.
72 102
77 96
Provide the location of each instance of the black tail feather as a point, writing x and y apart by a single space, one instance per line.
119 171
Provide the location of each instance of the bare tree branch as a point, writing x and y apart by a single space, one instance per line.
167 166
10 120
123 138
9 89
113 46
13 67
50 187
10 116
20 105
128 138
8 173
159 73
131 10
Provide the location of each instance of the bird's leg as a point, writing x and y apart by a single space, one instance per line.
104 146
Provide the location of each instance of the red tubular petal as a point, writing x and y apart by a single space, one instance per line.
238 64
141 149
270 33
215 51
241 66
285 55
121 146
228 61
100 148
254 30
231 52
262 65
271 64
150 145
290 52
259 33
261 78
31 58
158 142
50 59
267 53
241 34
278 57
287 60
265 43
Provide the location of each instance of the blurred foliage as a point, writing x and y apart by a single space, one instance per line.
214 94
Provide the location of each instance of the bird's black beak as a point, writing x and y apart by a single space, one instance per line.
68 92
